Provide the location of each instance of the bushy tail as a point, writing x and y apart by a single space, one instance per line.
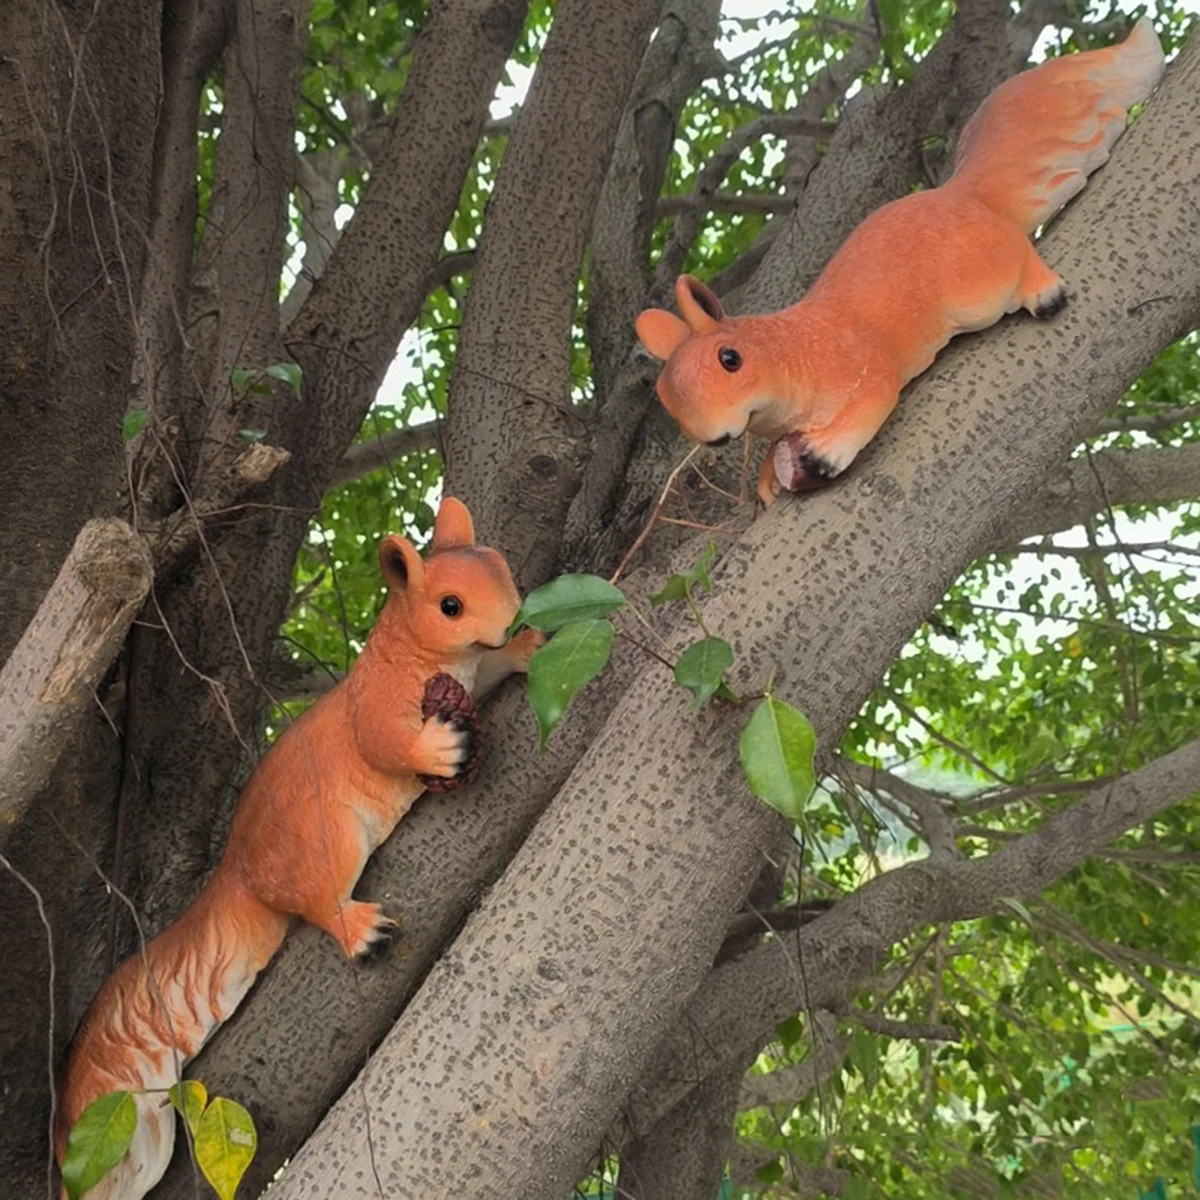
144 1025
1034 141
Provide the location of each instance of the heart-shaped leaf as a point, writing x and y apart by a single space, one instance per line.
576 654
98 1141
677 586
701 666
776 752
189 1097
225 1145
566 599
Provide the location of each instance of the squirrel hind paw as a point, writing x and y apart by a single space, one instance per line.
363 930
1051 301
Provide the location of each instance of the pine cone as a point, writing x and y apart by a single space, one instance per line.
447 698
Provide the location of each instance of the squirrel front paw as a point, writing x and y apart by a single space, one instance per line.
521 647
803 461
441 748
449 739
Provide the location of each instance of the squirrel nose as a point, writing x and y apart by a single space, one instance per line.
723 440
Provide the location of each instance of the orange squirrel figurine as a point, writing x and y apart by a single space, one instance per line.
823 375
326 794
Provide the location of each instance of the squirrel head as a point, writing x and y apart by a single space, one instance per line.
719 374
460 598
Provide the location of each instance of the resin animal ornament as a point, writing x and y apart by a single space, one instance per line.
821 377
326 794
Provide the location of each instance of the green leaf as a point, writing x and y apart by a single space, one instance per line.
225 1145
790 1031
566 599
576 654
241 379
133 423
776 753
701 666
252 435
677 586
98 1141
771 1172
189 1097
287 372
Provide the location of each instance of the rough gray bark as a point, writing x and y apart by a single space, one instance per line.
515 446
511 1061
1097 482
52 675
683 1156
77 113
70 258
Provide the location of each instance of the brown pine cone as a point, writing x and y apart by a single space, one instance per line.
447 698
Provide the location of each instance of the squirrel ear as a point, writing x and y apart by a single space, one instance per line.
660 332
400 564
452 527
698 305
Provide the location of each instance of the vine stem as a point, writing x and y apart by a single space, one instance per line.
666 662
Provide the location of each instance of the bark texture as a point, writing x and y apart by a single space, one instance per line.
515 446
52 675
512 1059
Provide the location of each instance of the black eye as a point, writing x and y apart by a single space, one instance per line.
729 358
451 606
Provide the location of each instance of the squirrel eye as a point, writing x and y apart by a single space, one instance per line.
729 358
451 606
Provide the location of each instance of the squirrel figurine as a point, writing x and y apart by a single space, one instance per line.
327 793
822 376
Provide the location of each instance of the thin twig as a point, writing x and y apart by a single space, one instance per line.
639 541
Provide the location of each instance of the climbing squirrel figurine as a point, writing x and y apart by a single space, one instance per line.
326 794
821 377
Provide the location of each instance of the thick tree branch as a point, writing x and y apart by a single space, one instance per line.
194 34
379 274
683 1156
1152 422
619 271
618 276
255 168
767 986
364 457
823 591
515 447
50 678
1096 482
789 1085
